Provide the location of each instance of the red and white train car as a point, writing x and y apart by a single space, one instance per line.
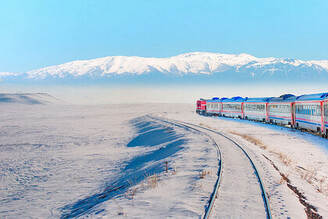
311 112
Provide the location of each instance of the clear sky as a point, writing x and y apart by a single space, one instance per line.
40 33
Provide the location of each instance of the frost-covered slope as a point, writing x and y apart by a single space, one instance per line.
185 64
28 98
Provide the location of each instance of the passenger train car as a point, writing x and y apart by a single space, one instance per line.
233 107
257 109
280 110
213 107
311 112
308 112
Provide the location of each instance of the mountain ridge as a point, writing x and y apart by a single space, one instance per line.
184 64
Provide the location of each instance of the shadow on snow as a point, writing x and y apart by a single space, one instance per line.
136 170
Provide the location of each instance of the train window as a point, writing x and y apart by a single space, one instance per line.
233 106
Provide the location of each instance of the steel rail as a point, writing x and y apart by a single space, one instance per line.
264 195
218 181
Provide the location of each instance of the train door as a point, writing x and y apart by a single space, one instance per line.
323 129
267 112
293 112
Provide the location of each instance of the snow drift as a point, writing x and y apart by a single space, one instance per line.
28 98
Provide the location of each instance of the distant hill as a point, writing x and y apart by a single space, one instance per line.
196 65
28 98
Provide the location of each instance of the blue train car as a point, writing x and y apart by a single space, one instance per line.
233 107
257 109
213 107
311 112
280 110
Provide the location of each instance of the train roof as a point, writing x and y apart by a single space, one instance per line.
258 99
201 99
284 98
214 99
320 96
233 99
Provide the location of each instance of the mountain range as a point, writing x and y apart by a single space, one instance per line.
195 64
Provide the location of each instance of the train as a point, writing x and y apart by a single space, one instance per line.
306 112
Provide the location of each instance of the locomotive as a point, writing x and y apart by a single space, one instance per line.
305 112
201 106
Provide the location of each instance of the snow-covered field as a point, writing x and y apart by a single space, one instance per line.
67 161
113 161
300 156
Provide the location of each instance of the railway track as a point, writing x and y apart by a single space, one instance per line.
236 192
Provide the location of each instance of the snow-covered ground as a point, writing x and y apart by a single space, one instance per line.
301 156
110 161
105 161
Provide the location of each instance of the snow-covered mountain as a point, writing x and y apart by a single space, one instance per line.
196 63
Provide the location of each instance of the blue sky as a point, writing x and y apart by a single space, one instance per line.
40 33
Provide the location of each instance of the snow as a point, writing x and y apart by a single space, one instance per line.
28 98
8 74
306 152
195 63
322 63
239 191
59 159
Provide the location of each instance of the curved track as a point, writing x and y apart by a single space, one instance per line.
238 179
